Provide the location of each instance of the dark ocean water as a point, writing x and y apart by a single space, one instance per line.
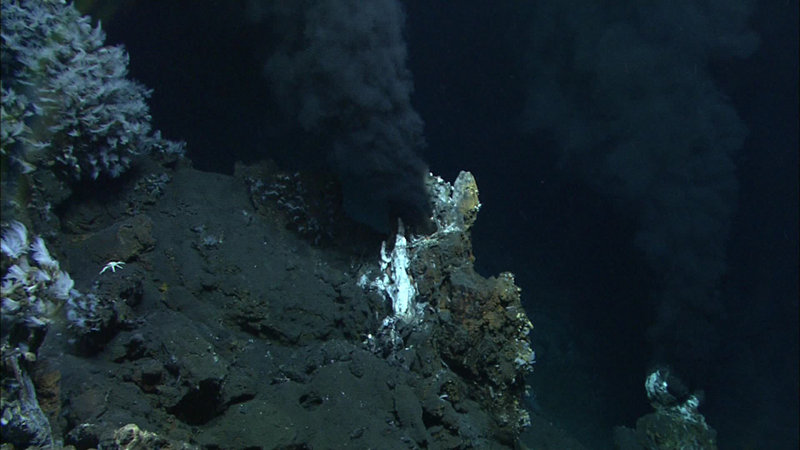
637 166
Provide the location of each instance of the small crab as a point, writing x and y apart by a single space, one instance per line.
113 265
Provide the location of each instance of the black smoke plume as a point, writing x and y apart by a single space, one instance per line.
626 91
339 70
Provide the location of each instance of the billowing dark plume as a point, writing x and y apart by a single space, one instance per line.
625 90
339 69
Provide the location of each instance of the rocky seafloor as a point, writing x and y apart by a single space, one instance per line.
238 321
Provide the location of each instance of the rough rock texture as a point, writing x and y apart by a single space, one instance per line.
675 423
480 328
230 328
